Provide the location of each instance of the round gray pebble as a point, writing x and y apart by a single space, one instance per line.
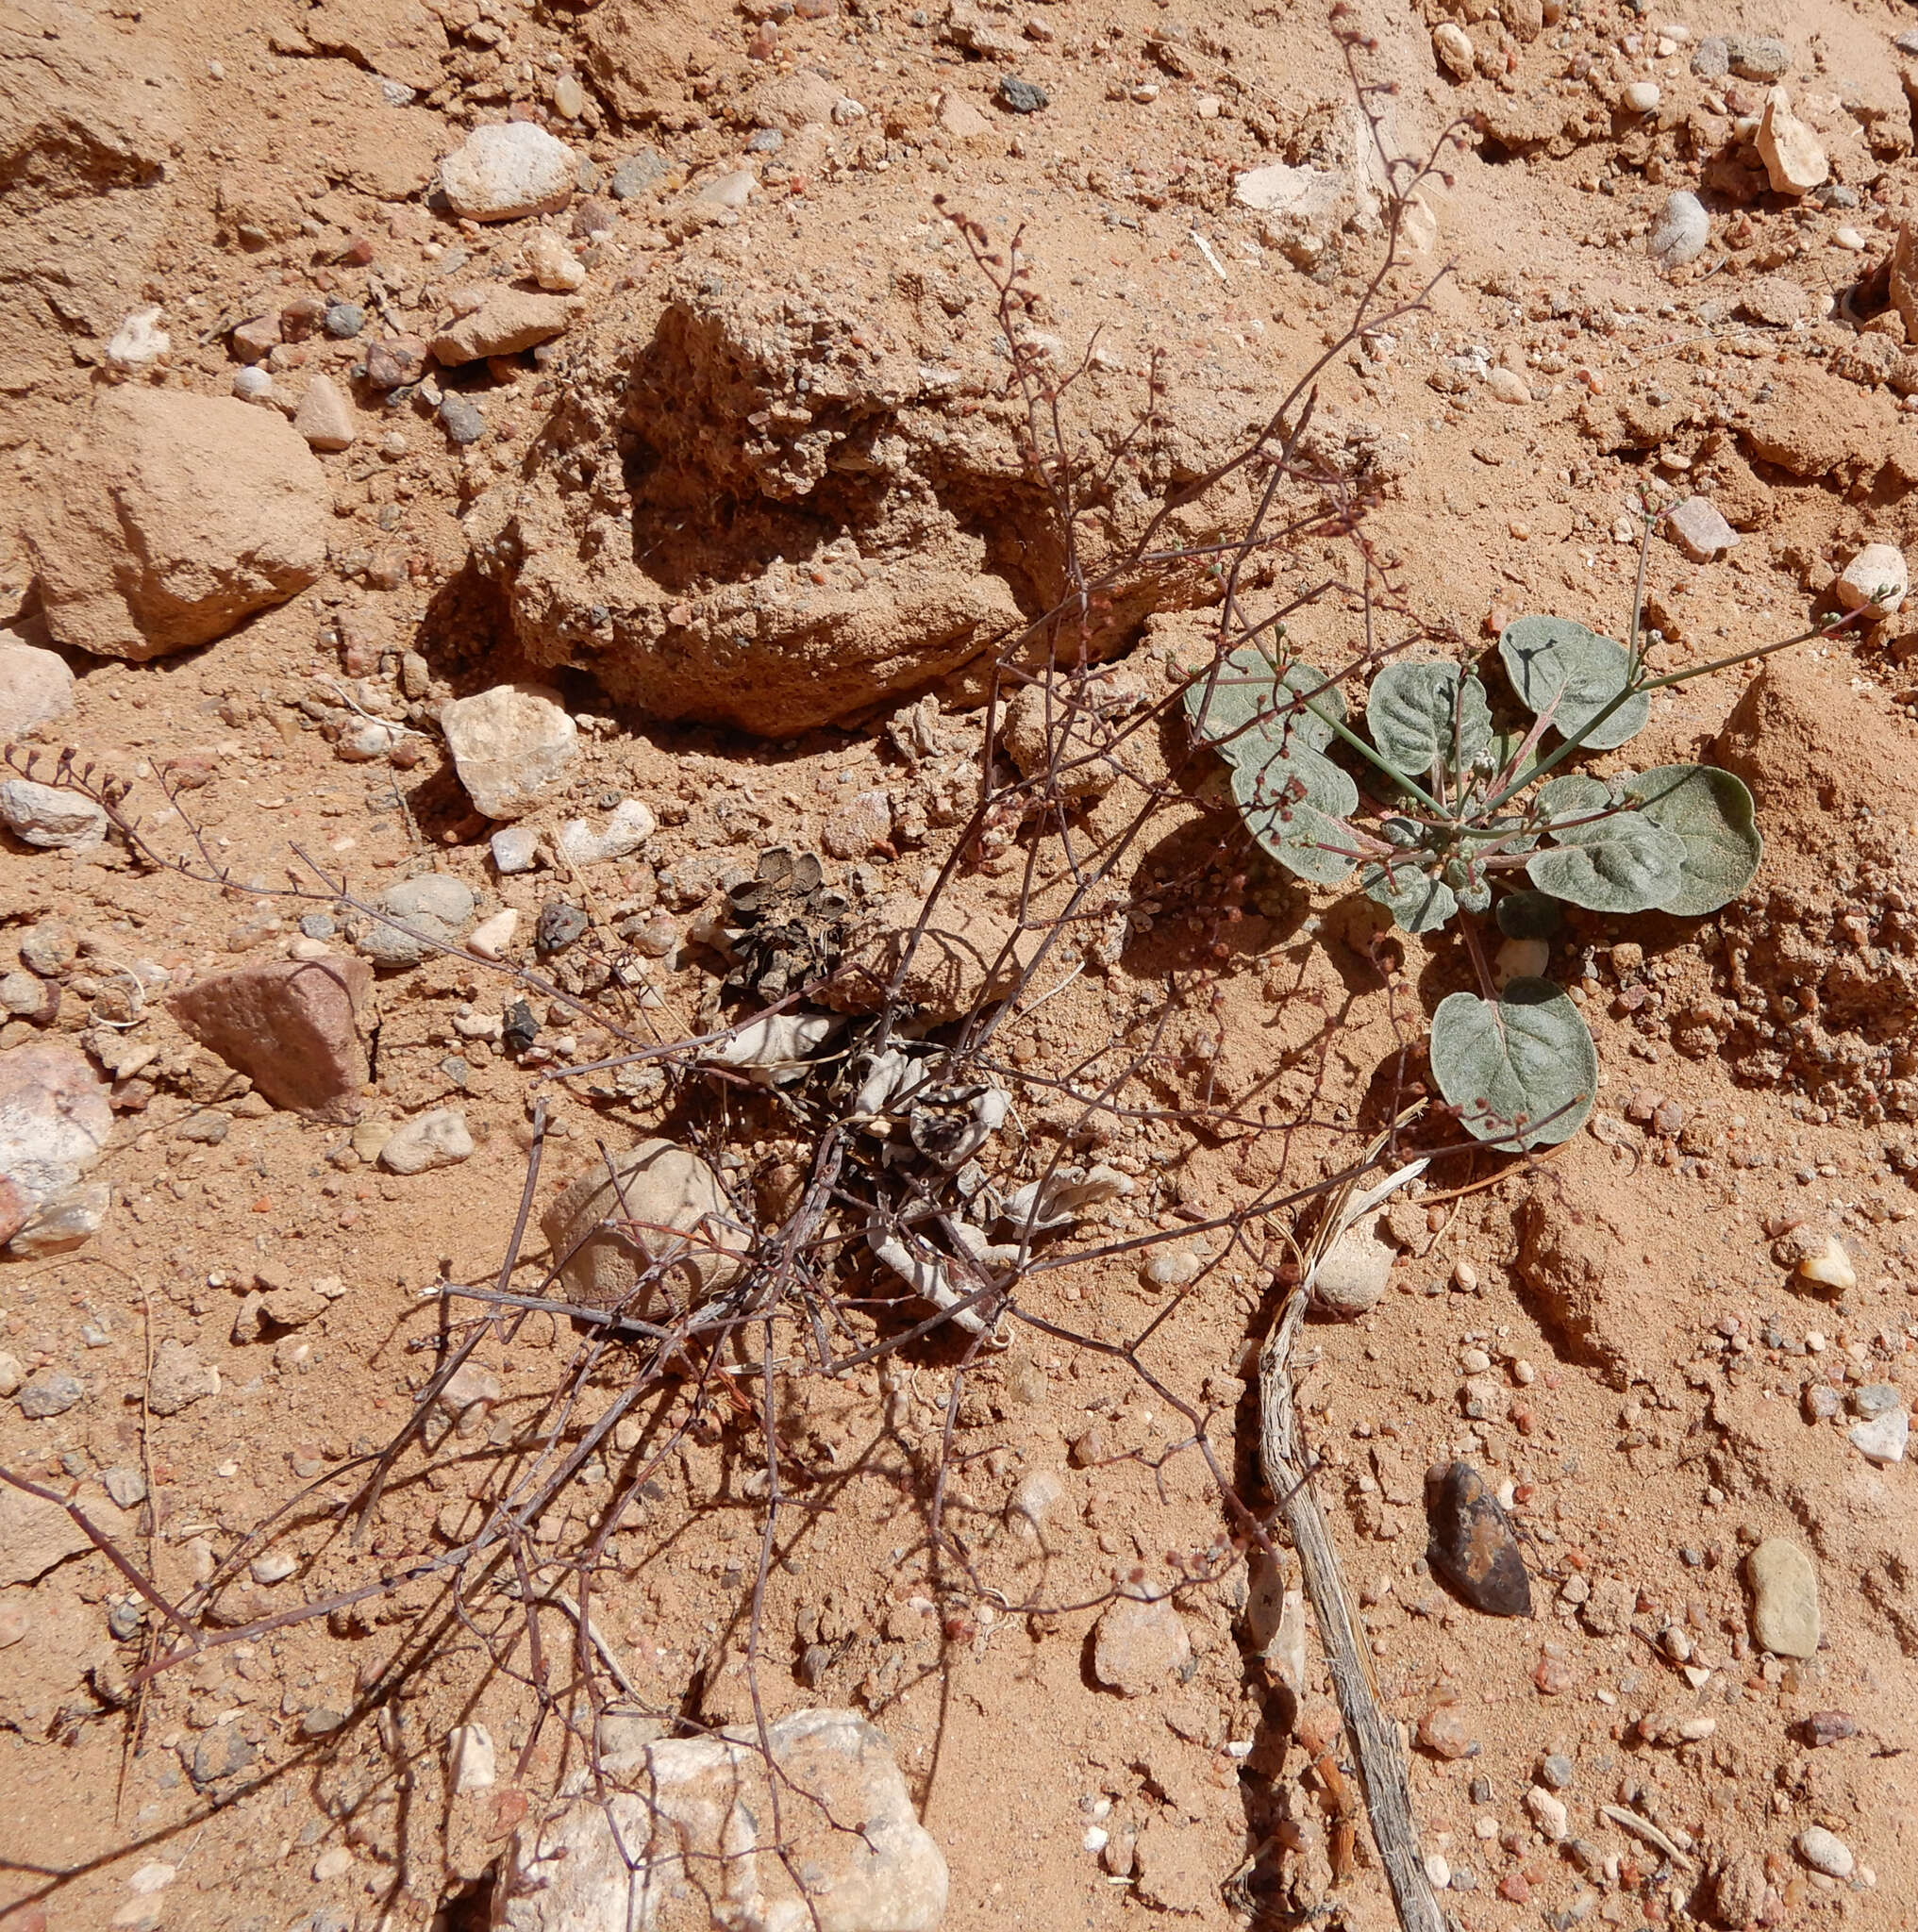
317 925
461 420
344 320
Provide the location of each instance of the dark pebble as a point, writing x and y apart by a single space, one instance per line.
1556 1773
345 319
209 1127
638 173
1022 96
1473 1546
521 1028
457 1070
558 926
124 1620
1480 1791
461 420
1826 1727
593 217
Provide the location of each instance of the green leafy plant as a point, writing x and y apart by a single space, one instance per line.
1474 815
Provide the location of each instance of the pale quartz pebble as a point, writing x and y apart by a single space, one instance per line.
630 827
252 385
275 1567
138 343
1682 231
1453 46
1883 1439
1548 1814
1508 385
301 947
1169 1268
490 938
472 1764
568 97
551 263
1520 960
502 171
1830 1266
1642 97
1794 162
1465 1277
1876 580
1694 1729
1524 1373
1438 1871
1824 1851
151 1878
1784 1588
1850 241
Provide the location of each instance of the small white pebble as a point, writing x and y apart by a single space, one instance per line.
1850 240
1096 1837
275 1567
1438 1871
1642 97
1485 1827
1524 1373
1464 1276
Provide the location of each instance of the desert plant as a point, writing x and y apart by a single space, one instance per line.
1478 818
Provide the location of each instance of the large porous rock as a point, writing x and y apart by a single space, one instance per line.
292 1026
880 532
684 1840
510 169
55 1117
656 1233
172 517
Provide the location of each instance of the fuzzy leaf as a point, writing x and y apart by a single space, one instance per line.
1293 805
1245 712
1624 863
1417 902
1571 797
1527 1057
1710 813
1410 712
1549 658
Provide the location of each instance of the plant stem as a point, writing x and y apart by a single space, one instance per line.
1468 927
1373 759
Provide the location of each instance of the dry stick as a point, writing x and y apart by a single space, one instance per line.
1287 1468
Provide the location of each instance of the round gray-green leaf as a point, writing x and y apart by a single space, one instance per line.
1246 711
1623 863
1417 902
1551 658
1571 797
1520 1070
1293 806
1712 814
1410 712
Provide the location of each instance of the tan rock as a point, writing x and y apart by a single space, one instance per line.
325 418
655 1232
509 321
961 119
171 519
36 687
1904 275
1794 162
